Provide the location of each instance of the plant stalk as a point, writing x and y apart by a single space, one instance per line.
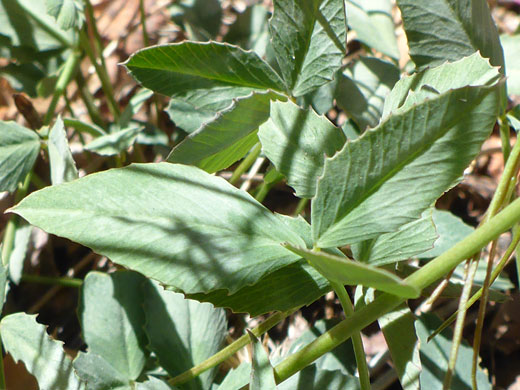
383 304
482 313
70 68
230 350
301 206
10 230
2 374
496 272
88 100
56 33
102 74
55 281
246 163
505 137
357 342
146 38
511 167
469 275
98 42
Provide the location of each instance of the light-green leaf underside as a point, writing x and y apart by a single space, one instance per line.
228 137
27 341
19 148
296 141
112 320
447 30
345 271
308 37
202 78
365 187
181 226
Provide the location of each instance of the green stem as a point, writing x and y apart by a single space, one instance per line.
482 313
469 275
505 136
2 374
301 206
142 13
499 268
511 167
52 280
265 188
10 230
88 100
146 40
70 67
230 350
37 181
98 42
44 25
246 163
502 196
357 342
102 74
383 304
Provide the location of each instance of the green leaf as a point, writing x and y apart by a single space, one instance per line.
361 90
133 107
435 354
450 230
373 23
201 107
201 18
364 189
447 30
99 374
262 373
112 320
175 225
312 378
22 77
19 148
340 359
47 85
308 38
411 239
63 167
68 13
345 271
250 29
228 137
84 127
182 332
153 384
23 31
321 99
297 141
22 236
27 341
236 378
510 44
114 143
398 329
4 282
295 285
430 83
205 76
